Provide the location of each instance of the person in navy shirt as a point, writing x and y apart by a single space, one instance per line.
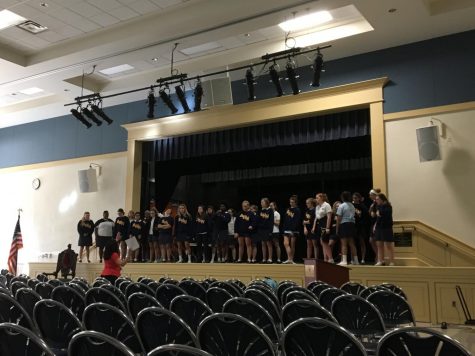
121 232
182 231
292 224
265 228
383 229
165 228
308 223
244 225
222 219
202 234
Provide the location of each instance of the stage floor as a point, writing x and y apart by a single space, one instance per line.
430 290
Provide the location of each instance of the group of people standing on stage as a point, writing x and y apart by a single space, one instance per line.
236 237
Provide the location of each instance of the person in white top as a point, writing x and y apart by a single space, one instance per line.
276 232
231 241
322 225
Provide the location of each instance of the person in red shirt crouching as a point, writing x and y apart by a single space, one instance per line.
112 262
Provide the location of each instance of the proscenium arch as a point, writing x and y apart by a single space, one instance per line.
366 94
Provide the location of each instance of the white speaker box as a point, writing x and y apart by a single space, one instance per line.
217 92
428 143
87 180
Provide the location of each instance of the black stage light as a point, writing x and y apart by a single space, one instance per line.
81 118
151 101
274 76
99 112
181 96
292 77
317 69
91 116
168 102
250 84
198 93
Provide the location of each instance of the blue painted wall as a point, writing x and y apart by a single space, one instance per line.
430 73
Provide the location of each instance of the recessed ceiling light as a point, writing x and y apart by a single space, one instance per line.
392 10
31 91
306 21
66 89
155 59
8 18
247 35
117 69
44 4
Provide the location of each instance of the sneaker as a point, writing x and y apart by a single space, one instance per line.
212 260
391 264
179 260
379 263
286 262
293 263
279 261
355 262
331 261
238 261
157 261
249 261
343 263
189 260
362 262
88 261
80 261
269 261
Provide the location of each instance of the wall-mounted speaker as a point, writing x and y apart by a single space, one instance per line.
87 180
428 143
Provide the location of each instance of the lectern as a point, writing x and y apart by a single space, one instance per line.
318 270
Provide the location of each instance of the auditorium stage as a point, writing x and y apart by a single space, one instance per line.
430 290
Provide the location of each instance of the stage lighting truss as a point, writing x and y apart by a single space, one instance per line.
93 112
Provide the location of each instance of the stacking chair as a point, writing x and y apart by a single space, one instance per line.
190 309
314 284
230 287
394 309
371 289
27 298
123 285
70 298
177 350
154 285
44 290
267 291
194 289
16 340
237 283
54 282
166 292
138 288
230 334
159 326
263 300
394 288
32 283
12 312
328 296
114 322
419 341
56 323
138 302
298 309
297 295
117 292
14 286
103 295
319 337
319 288
87 343
352 288
216 297
282 288
303 293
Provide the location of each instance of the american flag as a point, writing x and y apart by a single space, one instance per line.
17 243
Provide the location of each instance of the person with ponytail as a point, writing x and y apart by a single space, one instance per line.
383 229
182 231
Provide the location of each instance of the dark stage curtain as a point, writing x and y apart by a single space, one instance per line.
332 127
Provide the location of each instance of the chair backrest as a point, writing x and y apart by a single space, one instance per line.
308 294
194 289
419 341
216 297
166 292
56 323
281 290
103 295
315 337
138 302
159 326
319 288
32 283
328 296
12 312
230 334
352 288
119 280
14 286
238 283
253 312
171 281
82 283
88 343
123 285
357 315
313 284
267 291
116 291
394 309
42 277
298 309
78 288
19 341
371 289
154 285
138 288
297 295
177 350
27 298
3 281
114 322
44 290
70 298
190 309
145 280
231 288
264 301
54 282
395 289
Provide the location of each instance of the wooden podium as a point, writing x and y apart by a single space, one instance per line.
317 270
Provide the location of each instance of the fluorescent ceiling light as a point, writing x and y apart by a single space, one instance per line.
8 18
200 48
31 91
307 21
117 69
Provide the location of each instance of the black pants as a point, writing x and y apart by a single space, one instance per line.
202 249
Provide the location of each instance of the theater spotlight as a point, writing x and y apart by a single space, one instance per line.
91 116
99 112
250 84
275 79
181 96
81 118
292 77
198 94
166 99
317 69
151 101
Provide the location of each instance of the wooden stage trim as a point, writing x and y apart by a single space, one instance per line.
430 290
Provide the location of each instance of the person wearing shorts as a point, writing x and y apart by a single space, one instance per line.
292 225
322 226
383 229
201 234
85 230
182 230
276 232
345 229
308 231
153 231
165 228
221 219
103 230
244 225
231 241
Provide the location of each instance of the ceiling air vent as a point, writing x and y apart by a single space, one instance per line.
32 27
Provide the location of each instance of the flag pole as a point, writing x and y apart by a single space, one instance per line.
20 210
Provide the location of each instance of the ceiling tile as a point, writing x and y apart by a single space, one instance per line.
123 13
230 42
51 36
143 6
69 31
85 9
104 19
50 22
14 33
7 3
105 5
35 41
166 3
46 9
25 11
75 20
